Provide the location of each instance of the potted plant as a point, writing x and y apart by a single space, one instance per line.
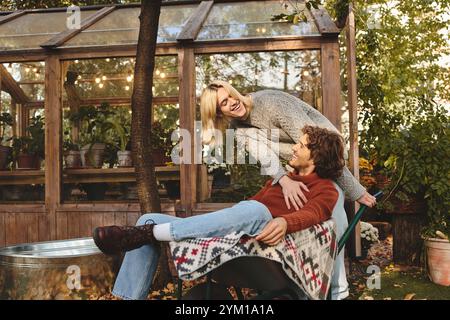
5 151
420 170
94 136
122 135
72 156
369 236
29 150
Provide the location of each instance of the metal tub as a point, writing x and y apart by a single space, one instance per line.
65 269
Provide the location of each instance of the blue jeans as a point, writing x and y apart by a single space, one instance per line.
138 267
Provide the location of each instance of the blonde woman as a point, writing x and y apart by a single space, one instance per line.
222 107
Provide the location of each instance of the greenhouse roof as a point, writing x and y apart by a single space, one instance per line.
180 21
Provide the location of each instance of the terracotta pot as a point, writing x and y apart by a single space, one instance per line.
125 159
93 158
4 153
438 260
28 161
73 159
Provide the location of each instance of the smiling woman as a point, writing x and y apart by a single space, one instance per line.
266 110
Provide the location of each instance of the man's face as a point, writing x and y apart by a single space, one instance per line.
301 156
228 105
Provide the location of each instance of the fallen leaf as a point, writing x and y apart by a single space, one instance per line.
368 298
409 296
397 285
387 298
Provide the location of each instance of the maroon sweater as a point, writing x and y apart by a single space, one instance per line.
322 197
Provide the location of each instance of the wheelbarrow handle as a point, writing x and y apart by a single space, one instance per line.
354 222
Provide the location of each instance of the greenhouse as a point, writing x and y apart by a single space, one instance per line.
58 83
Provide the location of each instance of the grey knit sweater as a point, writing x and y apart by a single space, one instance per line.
274 109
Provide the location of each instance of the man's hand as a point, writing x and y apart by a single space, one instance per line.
292 191
367 199
273 232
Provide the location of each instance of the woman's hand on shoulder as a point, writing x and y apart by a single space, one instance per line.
293 193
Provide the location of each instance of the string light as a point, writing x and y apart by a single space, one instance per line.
97 80
100 85
263 30
76 61
157 72
129 78
306 73
162 75
27 69
104 78
127 88
230 81
79 77
108 59
35 69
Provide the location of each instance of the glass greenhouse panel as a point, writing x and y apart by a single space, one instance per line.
30 78
252 20
122 27
29 31
113 77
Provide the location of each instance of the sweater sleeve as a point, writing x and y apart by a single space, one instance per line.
316 210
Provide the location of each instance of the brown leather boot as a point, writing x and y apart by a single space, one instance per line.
116 239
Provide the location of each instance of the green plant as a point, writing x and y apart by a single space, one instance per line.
160 139
94 123
298 11
5 120
33 143
37 134
68 145
418 164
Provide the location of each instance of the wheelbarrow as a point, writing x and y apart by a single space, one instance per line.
253 272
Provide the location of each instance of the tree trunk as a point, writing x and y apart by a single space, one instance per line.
141 105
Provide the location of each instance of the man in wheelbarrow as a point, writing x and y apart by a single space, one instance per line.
317 159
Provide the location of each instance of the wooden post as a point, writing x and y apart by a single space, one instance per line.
331 84
355 243
188 172
53 139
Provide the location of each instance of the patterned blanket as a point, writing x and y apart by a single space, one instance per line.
306 256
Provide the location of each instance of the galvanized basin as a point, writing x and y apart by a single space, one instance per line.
64 269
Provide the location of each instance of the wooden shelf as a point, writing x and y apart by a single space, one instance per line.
20 177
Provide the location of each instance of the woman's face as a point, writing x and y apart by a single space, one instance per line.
229 106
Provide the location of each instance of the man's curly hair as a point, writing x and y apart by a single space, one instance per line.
327 151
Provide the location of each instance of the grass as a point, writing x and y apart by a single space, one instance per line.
399 283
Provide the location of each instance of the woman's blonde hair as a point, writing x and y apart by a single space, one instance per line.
211 119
